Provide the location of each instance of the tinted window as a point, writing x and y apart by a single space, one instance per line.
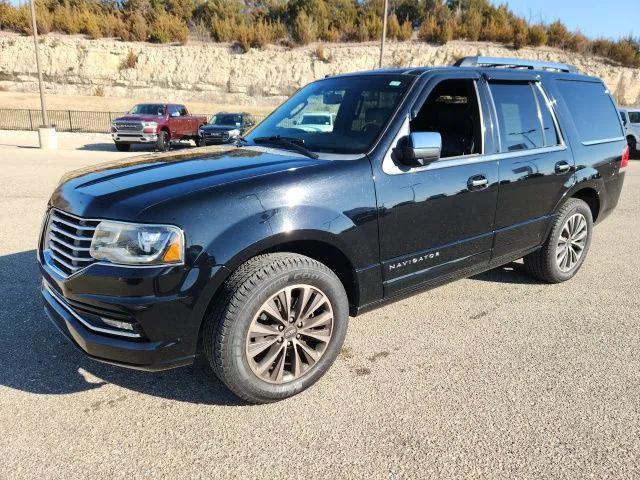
593 111
147 109
551 138
634 117
517 116
174 110
452 110
183 111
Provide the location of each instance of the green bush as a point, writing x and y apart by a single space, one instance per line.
537 35
167 28
304 29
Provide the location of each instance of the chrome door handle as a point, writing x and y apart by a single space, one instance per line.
562 167
477 182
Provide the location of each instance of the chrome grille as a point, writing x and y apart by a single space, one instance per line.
217 134
69 240
128 126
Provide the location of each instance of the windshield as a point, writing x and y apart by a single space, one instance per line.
148 109
226 119
361 106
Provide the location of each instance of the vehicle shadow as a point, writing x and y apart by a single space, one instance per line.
512 272
36 358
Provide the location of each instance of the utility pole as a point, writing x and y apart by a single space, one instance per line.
46 133
384 30
34 27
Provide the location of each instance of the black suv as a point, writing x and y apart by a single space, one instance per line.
257 254
224 127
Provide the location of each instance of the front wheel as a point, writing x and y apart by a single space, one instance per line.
565 250
276 327
123 147
163 142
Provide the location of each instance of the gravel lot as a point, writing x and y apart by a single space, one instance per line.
497 376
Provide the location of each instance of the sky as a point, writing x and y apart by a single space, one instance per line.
595 18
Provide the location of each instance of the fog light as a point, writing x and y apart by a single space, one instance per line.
117 324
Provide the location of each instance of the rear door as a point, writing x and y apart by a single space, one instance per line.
188 122
536 167
175 122
436 221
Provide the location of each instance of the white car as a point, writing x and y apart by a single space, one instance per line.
316 122
631 120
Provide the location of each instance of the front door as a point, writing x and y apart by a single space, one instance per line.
436 221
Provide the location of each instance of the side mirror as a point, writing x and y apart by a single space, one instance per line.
420 148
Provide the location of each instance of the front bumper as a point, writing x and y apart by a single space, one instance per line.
121 137
165 306
125 352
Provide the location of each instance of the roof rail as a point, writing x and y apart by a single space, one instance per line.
514 63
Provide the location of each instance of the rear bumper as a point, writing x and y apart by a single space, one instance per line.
139 354
134 137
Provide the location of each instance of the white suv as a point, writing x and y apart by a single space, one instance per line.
631 120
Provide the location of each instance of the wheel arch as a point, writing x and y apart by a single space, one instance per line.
317 247
591 197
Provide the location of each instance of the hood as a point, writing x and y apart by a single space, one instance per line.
220 128
124 189
139 118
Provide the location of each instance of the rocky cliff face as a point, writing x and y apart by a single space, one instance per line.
215 72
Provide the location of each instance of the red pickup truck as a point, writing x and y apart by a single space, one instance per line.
155 123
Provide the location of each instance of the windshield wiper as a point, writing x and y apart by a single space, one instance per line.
290 142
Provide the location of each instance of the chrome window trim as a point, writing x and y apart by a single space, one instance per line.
552 110
588 143
390 168
63 303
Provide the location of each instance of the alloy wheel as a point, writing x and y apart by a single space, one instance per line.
289 334
572 241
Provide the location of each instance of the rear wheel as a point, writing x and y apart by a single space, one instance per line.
633 146
565 250
123 147
276 327
163 142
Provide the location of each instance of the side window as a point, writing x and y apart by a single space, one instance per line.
174 111
592 110
452 109
551 137
634 117
183 111
517 110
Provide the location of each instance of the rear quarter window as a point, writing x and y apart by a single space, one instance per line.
594 113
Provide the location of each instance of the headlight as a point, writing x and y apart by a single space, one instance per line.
137 244
234 133
149 127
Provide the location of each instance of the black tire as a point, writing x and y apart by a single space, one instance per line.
542 263
227 326
200 142
163 141
633 147
123 147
